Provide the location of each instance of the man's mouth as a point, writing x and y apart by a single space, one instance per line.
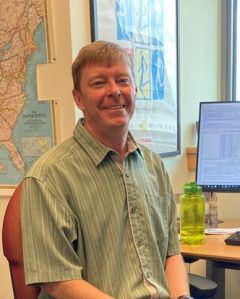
115 107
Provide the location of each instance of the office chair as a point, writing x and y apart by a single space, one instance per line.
12 248
201 287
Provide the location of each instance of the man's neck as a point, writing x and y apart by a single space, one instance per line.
114 139
118 145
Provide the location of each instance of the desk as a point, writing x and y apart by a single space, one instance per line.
217 254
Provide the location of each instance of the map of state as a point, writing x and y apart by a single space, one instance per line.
26 130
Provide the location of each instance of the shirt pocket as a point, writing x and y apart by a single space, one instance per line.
158 218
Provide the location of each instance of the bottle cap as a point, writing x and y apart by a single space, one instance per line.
192 187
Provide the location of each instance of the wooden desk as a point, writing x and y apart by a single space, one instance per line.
218 255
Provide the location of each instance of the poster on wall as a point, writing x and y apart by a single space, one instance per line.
27 125
149 31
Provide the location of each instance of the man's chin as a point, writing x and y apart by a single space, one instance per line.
118 124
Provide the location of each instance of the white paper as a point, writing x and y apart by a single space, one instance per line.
221 231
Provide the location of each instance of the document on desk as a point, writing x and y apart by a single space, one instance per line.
221 231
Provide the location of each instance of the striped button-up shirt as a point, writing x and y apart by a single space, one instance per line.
84 217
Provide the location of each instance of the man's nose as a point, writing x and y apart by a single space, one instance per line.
113 89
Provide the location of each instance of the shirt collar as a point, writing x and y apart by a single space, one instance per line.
95 149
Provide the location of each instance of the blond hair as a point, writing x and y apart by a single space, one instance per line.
99 53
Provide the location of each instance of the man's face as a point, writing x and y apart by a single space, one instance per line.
107 97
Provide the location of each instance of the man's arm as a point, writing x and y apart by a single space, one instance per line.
177 277
73 289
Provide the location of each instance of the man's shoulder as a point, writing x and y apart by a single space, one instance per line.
55 156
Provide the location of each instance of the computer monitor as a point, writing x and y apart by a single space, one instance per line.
218 154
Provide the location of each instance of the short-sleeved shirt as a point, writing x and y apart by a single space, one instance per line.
83 217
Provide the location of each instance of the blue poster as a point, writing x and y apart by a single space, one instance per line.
157 18
157 64
123 10
143 73
142 22
147 29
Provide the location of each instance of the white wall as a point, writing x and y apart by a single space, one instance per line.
80 31
199 27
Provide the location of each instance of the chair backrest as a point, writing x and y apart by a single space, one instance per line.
12 248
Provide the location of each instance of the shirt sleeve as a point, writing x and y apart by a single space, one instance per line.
49 234
173 244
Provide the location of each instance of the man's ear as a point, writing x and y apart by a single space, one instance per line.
78 99
136 90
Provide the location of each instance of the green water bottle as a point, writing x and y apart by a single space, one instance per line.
192 215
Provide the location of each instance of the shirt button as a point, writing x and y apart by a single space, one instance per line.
134 210
127 174
148 275
140 243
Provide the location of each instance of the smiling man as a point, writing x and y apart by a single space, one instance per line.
98 213
106 94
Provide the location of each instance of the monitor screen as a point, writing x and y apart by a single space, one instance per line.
218 154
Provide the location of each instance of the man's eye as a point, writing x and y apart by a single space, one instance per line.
97 83
124 80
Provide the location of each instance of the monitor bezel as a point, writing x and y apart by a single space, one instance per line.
213 188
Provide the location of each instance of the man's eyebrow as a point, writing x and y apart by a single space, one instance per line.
93 77
124 74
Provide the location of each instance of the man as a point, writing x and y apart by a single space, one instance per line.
98 213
